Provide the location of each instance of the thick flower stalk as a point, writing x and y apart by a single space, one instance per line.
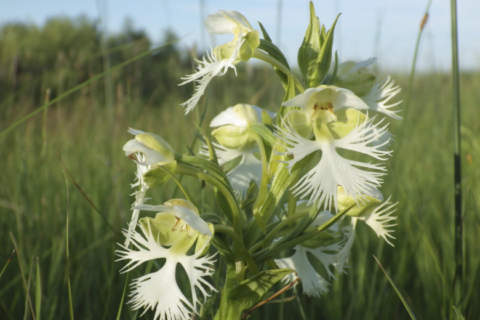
159 290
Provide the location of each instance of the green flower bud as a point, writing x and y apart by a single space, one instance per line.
358 81
231 136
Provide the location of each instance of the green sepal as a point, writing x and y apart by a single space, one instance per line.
158 176
310 49
251 291
347 120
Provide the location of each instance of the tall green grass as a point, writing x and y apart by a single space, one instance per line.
34 206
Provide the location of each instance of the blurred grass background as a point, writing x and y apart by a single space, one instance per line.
88 131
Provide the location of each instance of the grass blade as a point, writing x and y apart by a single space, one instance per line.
38 292
70 303
458 282
409 310
6 264
23 276
83 84
123 297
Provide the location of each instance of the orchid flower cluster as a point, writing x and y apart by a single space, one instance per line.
284 194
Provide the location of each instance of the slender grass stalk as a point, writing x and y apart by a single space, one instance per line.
119 313
29 282
87 198
458 283
44 126
414 62
70 303
409 310
23 276
6 264
38 291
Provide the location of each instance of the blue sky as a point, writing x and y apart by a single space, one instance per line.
386 29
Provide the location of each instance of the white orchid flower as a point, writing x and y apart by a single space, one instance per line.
375 91
219 60
379 219
159 290
314 285
352 134
146 149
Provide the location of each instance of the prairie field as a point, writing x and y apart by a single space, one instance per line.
64 241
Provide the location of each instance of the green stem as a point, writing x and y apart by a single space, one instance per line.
277 64
237 222
262 193
240 246
458 282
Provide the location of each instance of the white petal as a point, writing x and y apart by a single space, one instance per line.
151 156
344 254
302 99
313 283
259 111
249 168
347 99
224 154
225 22
320 183
363 64
322 218
381 220
159 291
379 96
207 69
196 269
229 116
135 131
296 145
139 197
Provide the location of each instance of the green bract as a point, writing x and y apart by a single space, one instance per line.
315 53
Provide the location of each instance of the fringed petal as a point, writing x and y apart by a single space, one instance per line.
381 220
380 95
